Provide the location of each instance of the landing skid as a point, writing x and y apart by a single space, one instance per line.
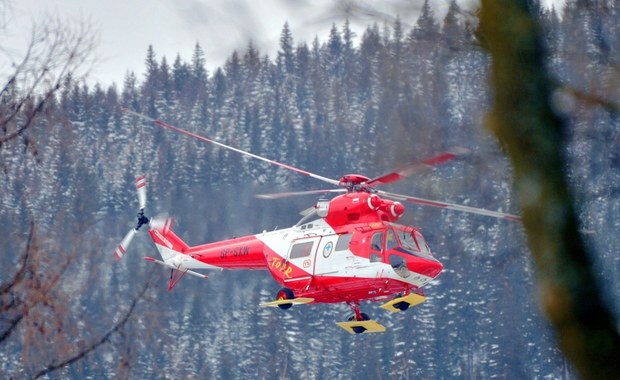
359 327
294 301
360 322
403 303
286 298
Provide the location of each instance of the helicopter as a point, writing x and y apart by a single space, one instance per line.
347 249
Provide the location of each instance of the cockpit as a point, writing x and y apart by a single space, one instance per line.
403 239
411 241
404 248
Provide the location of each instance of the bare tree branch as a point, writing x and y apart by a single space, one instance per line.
6 287
57 51
8 300
593 100
96 344
35 285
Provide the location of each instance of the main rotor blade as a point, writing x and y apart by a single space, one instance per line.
206 139
296 193
451 206
414 167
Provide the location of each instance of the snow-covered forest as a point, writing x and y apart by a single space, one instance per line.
343 103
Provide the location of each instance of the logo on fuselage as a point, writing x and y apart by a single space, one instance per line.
327 250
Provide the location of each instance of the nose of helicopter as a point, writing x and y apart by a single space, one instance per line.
430 268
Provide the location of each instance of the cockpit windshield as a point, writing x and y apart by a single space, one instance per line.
411 240
407 241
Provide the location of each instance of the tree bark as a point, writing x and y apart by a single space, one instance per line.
532 134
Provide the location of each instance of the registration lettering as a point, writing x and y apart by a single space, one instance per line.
235 252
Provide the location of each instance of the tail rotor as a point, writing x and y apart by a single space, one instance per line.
162 223
141 190
119 252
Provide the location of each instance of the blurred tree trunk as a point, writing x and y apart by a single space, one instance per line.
532 134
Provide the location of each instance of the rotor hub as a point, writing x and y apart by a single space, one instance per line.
142 219
354 182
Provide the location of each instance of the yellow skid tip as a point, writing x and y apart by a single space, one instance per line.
294 301
358 327
403 303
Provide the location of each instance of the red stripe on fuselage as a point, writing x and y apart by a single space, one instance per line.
327 289
238 253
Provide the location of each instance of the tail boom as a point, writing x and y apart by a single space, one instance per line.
239 253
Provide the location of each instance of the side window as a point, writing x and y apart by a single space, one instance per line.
343 242
399 265
391 241
301 250
376 243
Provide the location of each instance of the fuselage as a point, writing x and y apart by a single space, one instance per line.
351 253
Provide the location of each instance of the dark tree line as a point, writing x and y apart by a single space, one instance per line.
349 103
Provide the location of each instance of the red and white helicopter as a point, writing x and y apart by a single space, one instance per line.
347 249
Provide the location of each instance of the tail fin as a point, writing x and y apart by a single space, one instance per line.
173 252
167 242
